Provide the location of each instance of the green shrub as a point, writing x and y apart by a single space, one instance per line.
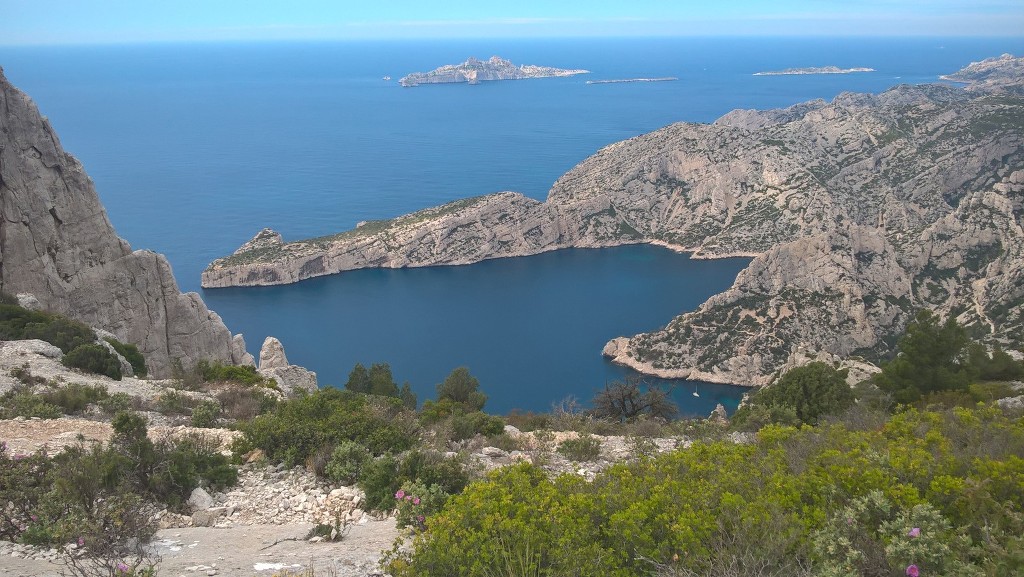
467 426
219 372
22 402
346 462
787 504
803 394
25 376
204 415
74 398
417 502
296 428
94 359
245 403
581 449
379 481
118 402
64 333
131 354
462 388
171 402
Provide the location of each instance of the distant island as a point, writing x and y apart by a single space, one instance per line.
474 71
620 81
814 70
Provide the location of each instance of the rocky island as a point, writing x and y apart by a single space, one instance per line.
628 80
474 71
813 70
858 212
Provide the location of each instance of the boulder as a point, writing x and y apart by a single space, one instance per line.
290 378
199 500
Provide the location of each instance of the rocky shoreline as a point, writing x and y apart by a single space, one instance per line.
857 212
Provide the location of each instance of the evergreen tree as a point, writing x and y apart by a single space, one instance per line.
408 397
462 387
358 380
932 357
381 381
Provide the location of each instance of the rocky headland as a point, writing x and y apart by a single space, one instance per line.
857 212
813 70
474 71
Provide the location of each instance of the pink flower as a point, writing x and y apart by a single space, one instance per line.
33 517
416 501
81 541
399 494
420 518
408 497
122 567
915 532
912 571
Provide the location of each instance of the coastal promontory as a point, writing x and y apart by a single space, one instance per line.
474 71
857 212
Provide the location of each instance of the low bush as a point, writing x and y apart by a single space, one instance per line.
581 449
93 358
204 415
74 398
346 462
102 498
296 428
382 477
25 376
22 402
245 403
939 491
171 402
131 354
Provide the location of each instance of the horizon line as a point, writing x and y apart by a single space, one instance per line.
491 38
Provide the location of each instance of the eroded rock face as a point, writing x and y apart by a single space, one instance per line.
57 244
857 212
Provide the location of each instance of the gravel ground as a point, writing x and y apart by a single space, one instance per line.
250 551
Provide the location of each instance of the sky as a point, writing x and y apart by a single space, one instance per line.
118 21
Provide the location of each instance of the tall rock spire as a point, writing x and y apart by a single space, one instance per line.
57 243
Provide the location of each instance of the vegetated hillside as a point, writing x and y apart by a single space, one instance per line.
57 244
858 212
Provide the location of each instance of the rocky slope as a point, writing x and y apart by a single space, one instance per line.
57 244
474 71
856 211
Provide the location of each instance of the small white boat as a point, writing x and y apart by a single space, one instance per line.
386 78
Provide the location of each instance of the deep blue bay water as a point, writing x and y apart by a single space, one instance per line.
194 148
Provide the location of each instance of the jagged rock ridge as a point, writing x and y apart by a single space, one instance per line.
857 211
57 244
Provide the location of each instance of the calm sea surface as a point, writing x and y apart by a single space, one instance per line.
194 148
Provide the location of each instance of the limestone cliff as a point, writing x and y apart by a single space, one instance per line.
857 211
57 244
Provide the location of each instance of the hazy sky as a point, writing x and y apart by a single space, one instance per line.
91 21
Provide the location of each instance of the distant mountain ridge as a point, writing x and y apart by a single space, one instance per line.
857 212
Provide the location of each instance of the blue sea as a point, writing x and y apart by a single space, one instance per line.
194 148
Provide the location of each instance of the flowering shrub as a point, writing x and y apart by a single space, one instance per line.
417 502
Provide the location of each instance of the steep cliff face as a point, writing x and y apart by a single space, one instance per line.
857 211
57 243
